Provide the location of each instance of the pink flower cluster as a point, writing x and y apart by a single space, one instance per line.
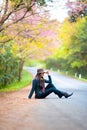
76 8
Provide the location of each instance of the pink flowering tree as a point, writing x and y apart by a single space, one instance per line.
77 9
8 8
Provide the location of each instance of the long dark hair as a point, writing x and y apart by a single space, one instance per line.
40 79
38 76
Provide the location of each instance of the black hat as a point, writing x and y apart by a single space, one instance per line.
40 71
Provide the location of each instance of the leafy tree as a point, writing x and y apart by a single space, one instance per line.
78 54
72 53
27 36
13 17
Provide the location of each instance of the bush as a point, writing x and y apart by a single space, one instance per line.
8 65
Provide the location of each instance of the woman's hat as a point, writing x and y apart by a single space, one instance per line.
40 71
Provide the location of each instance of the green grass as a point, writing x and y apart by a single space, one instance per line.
70 75
26 80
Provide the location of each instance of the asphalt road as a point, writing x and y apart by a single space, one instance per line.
63 114
17 112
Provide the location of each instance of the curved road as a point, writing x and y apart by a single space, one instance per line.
51 113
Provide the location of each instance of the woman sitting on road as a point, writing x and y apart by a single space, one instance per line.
38 85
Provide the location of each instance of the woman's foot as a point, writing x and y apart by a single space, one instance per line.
67 95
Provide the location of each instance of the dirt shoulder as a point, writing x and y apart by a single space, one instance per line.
10 107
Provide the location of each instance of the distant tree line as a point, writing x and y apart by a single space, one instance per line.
72 53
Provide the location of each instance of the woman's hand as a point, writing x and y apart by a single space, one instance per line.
47 72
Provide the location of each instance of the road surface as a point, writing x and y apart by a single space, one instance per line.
19 113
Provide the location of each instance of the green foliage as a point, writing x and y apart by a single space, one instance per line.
78 45
72 54
58 63
32 62
51 63
26 80
8 65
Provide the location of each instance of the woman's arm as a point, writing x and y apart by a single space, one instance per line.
32 89
49 78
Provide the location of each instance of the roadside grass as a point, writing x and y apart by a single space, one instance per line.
72 76
25 81
83 79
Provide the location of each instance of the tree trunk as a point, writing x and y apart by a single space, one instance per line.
21 63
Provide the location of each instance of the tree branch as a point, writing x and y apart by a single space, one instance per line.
17 8
4 41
